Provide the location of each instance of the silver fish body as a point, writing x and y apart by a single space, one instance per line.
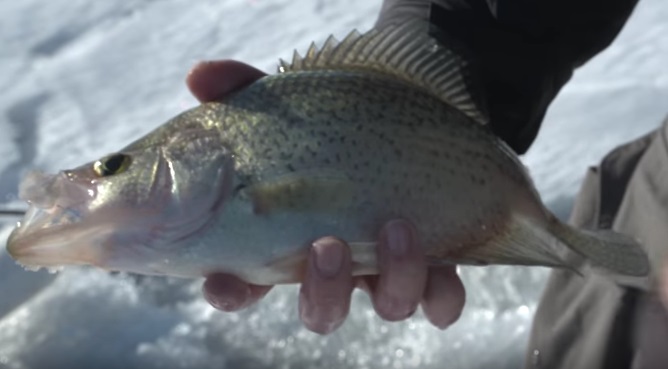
244 185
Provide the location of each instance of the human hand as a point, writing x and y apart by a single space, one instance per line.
404 281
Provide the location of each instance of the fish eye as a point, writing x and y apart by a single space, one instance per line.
111 165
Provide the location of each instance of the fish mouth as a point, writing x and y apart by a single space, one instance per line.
45 235
34 243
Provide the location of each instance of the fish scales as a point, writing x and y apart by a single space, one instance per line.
407 153
406 158
384 125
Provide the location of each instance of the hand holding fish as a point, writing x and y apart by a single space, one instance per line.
324 298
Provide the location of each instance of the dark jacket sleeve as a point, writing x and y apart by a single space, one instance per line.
525 50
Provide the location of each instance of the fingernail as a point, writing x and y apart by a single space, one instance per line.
229 303
225 296
446 324
395 309
223 304
329 257
398 238
330 327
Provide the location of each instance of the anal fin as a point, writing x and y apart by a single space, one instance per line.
522 243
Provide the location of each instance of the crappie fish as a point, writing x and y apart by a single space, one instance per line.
379 126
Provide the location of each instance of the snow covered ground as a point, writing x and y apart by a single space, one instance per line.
81 78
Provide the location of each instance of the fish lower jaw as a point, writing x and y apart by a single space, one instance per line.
34 252
35 261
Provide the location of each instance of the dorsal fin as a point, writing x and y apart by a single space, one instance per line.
407 51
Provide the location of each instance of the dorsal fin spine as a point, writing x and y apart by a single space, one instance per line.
395 52
344 47
406 51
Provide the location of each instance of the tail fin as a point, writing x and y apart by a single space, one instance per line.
605 249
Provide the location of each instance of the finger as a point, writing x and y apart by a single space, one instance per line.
663 284
366 283
213 80
444 297
228 293
324 297
403 272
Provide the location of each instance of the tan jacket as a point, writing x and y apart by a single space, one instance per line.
595 322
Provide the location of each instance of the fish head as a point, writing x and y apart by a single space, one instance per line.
127 211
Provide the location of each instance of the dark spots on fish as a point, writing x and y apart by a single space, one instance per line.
377 116
290 167
472 153
398 153
478 180
285 155
310 150
338 157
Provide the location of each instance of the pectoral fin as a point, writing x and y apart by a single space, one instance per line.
304 191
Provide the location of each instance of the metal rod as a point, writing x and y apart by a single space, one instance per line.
12 212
